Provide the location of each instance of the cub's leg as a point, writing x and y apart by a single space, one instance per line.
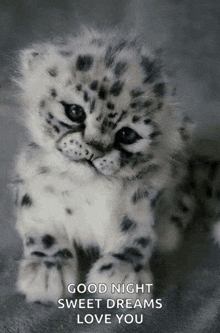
49 261
125 260
174 212
49 265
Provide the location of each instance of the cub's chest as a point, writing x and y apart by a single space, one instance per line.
95 208
87 208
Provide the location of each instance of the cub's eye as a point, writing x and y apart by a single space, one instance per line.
74 112
127 136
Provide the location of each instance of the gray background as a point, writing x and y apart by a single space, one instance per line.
189 32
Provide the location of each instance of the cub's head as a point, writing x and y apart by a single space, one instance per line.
101 100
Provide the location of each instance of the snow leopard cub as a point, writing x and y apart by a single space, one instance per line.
104 138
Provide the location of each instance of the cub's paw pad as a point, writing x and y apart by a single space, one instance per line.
45 278
113 272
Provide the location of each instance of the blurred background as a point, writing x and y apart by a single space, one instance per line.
187 30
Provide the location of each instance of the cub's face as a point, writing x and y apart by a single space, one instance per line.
95 105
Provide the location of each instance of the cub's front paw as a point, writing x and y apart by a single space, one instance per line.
114 272
45 278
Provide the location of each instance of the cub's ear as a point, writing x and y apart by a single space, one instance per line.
29 59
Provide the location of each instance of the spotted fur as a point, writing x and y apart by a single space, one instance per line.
106 147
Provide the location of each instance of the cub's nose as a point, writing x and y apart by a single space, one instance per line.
97 145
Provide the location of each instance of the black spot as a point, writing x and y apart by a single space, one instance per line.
135 119
30 241
38 254
53 93
69 211
116 88
79 87
121 45
154 134
176 220
86 96
159 89
147 121
136 93
50 115
155 199
58 265
52 71
33 145
102 92
125 157
34 54
160 105
104 124
183 133
94 85
127 224
109 57
120 256
150 156
110 106
106 267
139 195
133 105
43 169
84 63
138 268
147 64
151 70
120 68
147 104
48 241
143 241
139 154
63 254
49 264
26 201
92 106
56 129
93 252
131 255
133 252
110 124
42 104
112 115
182 206
66 53
99 117
122 115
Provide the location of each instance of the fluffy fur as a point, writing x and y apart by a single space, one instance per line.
105 147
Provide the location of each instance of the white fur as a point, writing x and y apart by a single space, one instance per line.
70 200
